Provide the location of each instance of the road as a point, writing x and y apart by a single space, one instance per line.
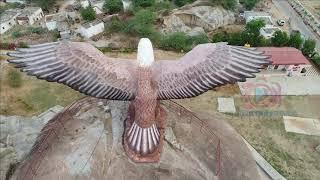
296 21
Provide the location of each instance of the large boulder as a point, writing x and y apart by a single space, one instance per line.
195 20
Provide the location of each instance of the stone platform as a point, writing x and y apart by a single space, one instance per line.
85 142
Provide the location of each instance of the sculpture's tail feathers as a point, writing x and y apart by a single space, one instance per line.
143 140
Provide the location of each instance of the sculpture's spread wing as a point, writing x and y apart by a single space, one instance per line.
80 66
205 67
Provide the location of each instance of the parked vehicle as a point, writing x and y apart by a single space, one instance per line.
280 22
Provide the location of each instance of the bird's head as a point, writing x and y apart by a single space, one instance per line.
145 54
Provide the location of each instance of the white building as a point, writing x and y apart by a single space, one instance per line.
269 29
52 20
97 3
16 1
84 3
30 15
8 20
91 28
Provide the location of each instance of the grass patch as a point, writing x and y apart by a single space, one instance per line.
14 78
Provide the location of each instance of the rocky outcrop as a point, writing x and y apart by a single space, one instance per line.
197 19
17 136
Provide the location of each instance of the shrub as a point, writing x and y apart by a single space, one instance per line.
316 59
182 2
309 47
113 6
143 3
280 39
14 78
88 13
249 4
176 41
9 46
37 30
116 25
199 39
219 37
141 24
16 34
295 40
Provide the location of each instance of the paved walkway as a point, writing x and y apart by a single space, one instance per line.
280 85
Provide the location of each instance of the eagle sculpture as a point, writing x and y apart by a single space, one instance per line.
84 68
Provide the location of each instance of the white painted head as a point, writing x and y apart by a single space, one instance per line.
145 54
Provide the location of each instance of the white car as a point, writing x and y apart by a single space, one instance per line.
280 22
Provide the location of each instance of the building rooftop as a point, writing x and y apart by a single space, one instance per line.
285 55
28 11
8 15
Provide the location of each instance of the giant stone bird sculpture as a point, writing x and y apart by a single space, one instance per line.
82 67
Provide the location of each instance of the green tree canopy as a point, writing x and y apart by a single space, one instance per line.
280 39
295 40
113 6
88 13
251 34
309 46
249 4
141 24
180 3
143 3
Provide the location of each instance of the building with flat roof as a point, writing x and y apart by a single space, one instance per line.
30 15
8 20
288 60
90 29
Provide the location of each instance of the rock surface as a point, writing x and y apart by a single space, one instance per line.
87 144
195 20
18 134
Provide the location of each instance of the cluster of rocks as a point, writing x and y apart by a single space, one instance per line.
197 19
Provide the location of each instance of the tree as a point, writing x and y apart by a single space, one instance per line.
88 13
249 4
309 47
280 39
143 3
316 59
295 40
113 6
141 24
180 3
251 34
219 37
45 4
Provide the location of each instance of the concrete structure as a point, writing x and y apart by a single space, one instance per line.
91 29
300 125
268 31
287 60
84 3
226 105
8 20
53 20
251 15
30 15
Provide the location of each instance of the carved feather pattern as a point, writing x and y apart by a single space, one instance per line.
205 67
80 66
